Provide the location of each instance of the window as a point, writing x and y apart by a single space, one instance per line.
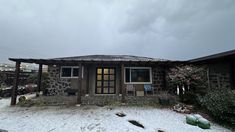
138 75
69 72
66 72
105 80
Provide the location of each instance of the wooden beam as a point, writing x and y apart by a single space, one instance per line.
122 84
79 98
16 83
39 80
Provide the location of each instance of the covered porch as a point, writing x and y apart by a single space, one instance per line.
98 81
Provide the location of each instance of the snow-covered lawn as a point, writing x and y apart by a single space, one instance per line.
93 118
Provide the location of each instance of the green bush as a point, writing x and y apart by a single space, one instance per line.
220 103
22 98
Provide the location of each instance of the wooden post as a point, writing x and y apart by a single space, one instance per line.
16 83
79 99
122 84
39 80
87 80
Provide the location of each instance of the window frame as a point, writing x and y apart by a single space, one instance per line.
150 74
72 67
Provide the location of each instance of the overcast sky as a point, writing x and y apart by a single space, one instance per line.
168 29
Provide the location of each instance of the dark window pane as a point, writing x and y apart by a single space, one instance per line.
106 71
140 75
111 77
99 71
106 90
99 77
75 72
111 71
106 83
98 90
111 90
66 72
111 83
106 77
99 83
127 76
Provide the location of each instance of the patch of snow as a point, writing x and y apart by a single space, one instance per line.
93 119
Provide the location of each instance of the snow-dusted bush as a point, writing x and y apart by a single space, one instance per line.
186 75
221 104
187 81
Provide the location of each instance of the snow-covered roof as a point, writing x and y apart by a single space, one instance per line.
110 58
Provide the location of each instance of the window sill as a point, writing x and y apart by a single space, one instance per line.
138 83
68 77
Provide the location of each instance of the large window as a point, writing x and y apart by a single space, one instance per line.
69 72
138 75
105 80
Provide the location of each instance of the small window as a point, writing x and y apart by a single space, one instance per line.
127 76
75 72
69 72
66 72
138 75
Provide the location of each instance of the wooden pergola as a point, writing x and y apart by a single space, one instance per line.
79 63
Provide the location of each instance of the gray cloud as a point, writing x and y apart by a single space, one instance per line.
171 29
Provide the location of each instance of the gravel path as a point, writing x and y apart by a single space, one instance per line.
94 119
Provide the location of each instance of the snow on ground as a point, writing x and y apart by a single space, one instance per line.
94 119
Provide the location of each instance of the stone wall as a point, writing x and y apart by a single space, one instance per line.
158 76
144 100
57 85
101 99
130 100
115 100
55 100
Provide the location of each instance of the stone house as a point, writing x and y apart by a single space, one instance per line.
100 79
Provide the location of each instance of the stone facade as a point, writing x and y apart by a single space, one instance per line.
57 85
112 100
101 99
95 100
158 76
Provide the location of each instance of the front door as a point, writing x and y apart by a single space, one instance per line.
105 80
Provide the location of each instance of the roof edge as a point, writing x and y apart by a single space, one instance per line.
213 56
